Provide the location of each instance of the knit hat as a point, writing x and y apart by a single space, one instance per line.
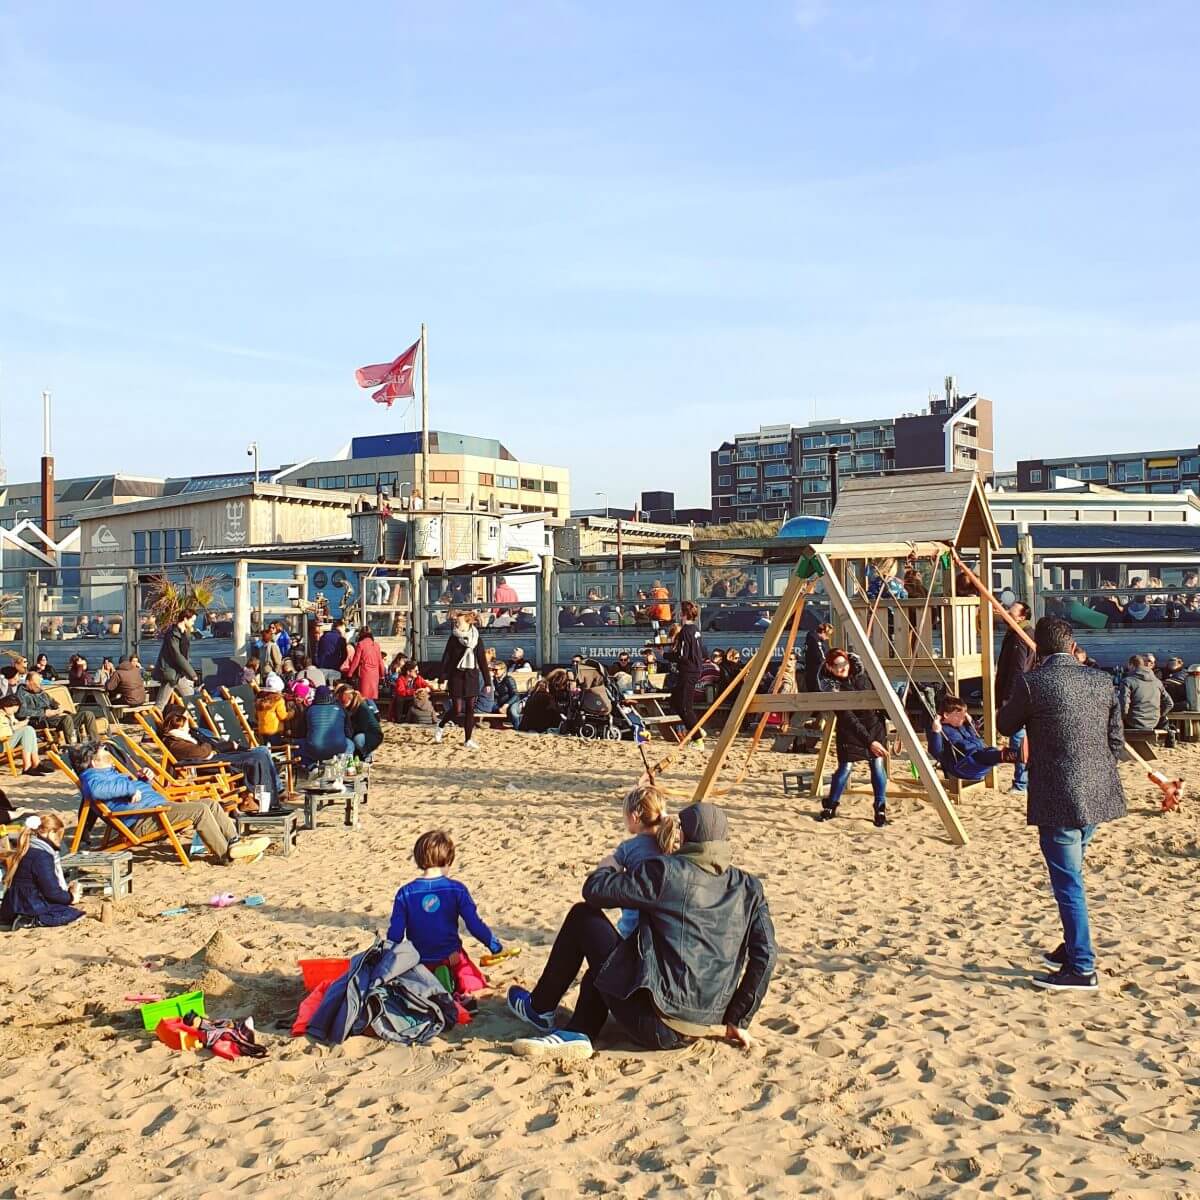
273 682
703 823
322 695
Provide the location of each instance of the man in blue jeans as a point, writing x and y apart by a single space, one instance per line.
1073 721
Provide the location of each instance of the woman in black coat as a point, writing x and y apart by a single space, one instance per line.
462 666
860 736
686 655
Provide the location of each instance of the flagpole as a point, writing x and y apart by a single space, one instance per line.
424 418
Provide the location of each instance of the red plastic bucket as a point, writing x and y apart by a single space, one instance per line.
317 970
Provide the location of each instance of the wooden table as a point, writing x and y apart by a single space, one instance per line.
657 717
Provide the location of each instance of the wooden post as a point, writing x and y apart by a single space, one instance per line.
828 728
987 655
891 704
795 589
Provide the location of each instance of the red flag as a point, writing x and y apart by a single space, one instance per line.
389 391
397 374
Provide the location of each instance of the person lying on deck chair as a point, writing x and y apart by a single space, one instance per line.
256 764
100 780
955 743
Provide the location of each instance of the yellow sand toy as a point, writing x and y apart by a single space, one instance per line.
490 960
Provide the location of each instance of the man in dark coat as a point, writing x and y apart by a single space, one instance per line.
1016 657
1075 736
174 670
1144 700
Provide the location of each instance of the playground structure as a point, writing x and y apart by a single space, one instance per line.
936 638
944 636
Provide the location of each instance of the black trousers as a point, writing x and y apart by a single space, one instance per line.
683 698
463 711
72 724
587 935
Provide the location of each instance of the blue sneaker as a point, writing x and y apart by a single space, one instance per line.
520 1005
555 1045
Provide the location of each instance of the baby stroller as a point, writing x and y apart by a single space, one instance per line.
596 710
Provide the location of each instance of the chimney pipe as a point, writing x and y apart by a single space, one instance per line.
47 472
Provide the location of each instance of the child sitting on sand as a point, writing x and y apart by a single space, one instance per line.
654 833
427 910
955 743
37 892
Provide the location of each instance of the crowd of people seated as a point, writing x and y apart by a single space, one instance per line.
1144 601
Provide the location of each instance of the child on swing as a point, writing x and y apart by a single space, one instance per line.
955 743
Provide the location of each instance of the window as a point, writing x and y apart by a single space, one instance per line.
506 481
746 514
387 479
363 481
869 462
813 464
724 501
724 481
1163 473
814 486
722 458
776 471
550 485
815 508
864 437
531 508
746 453
1094 471
845 462
443 476
486 480
777 450
1163 488
1190 465
1035 477
158 547
1128 472
774 514
777 491
531 485
747 472
839 439
331 481
814 441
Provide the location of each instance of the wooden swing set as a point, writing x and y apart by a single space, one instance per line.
943 637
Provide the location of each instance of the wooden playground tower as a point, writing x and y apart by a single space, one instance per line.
942 638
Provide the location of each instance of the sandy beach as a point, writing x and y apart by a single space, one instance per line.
900 1051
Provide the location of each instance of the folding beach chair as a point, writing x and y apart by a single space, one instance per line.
120 832
215 778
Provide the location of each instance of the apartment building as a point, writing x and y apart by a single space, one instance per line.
783 470
1151 471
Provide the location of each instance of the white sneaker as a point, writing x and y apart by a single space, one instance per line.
471 744
437 735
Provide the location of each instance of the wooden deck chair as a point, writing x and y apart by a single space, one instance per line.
215 778
120 831
134 759
231 712
7 745
241 702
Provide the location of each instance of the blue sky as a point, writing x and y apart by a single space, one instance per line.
633 229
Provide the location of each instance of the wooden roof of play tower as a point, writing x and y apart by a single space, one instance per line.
920 506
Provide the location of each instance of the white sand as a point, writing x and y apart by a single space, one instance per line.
901 1050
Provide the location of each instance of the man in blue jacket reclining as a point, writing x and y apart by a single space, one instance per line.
955 743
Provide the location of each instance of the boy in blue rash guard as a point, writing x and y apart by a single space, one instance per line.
427 911
955 743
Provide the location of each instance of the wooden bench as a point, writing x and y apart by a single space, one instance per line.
279 827
799 783
1188 722
1145 740
98 871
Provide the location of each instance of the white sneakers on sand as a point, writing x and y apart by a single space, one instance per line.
470 744
438 733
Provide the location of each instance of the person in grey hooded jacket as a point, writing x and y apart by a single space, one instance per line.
1145 702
